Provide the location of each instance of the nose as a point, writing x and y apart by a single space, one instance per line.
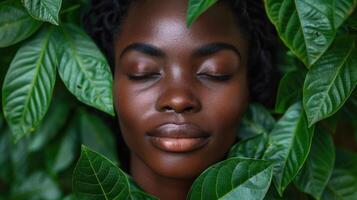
178 98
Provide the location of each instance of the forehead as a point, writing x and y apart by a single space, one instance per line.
157 19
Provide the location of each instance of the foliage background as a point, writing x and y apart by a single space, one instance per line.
51 74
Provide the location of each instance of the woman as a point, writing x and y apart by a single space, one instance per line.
180 92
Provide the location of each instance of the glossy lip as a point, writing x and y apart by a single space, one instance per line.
178 138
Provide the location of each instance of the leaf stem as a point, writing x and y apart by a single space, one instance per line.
70 9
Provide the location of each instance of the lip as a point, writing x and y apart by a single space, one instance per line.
178 138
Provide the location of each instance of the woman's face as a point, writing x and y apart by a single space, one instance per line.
179 93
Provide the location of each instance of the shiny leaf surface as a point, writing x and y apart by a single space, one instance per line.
235 178
338 67
29 82
15 23
306 27
317 170
253 147
95 177
84 70
343 9
44 10
196 8
289 146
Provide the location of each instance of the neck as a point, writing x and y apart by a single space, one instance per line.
164 188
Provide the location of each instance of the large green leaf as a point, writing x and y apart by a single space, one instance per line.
37 186
95 177
84 70
29 82
331 80
253 147
196 8
343 182
44 10
290 90
15 23
235 178
343 9
289 146
317 170
53 122
97 136
257 120
306 27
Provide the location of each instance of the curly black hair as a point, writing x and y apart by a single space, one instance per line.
103 21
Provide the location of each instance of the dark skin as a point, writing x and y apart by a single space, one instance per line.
179 93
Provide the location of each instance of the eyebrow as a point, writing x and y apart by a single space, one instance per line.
202 51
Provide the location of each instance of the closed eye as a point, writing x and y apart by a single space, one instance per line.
215 77
144 77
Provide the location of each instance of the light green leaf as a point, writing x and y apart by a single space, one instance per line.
290 90
84 70
318 167
331 80
289 146
343 182
44 10
15 23
29 82
53 122
38 186
95 177
196 8
235 178
343 9
257 120
306 27
97 136
253 147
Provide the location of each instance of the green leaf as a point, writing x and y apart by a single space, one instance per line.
289 146
44 10
67 150
15 23
290 90
95 177
97 136
196 8
352 20
331 80
318 167
306 27
343 9
235 178
343 182
53 122
84 70
257 120
253 147
29 82
38 186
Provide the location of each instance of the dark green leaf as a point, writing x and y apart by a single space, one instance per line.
253 147
84 70
306 27
196 8
318 167
343 9
331 80
51 125
235 178
290 90
44 10
257 120
289 146
15 23
38 186
97 136
95 177
29 82
343 182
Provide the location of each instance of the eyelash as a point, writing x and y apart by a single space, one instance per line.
143 77
220 78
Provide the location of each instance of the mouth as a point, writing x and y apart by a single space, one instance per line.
178 138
